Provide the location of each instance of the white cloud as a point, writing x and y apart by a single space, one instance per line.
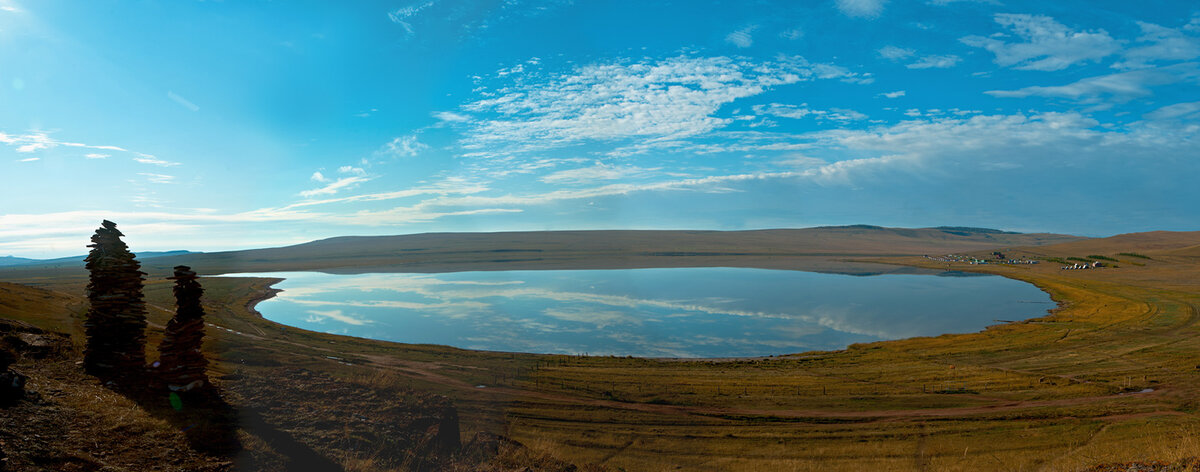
896 94
1164 44
402 15
451 186
351 170
150 159
318 177
30 159
935 62
336 186
792 34
797 112
404 146
451 117
1046 45
1184 111
861 8
741 38
37 141
599 171
784 110
158 178
1121 86
96 155
895 53
654 101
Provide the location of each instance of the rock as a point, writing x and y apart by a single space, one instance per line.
12 387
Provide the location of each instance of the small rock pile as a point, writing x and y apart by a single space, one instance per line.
116 322
22 340
181 363
12 384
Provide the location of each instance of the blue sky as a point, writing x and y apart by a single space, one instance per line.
210 125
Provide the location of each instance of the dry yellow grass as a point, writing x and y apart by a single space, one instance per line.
1054 393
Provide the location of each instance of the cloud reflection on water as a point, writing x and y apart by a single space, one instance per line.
708 312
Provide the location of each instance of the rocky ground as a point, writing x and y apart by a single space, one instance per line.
274 420
1191 464
66 421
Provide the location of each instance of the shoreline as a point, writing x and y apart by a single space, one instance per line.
266 292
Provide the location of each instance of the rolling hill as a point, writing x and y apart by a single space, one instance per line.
775 248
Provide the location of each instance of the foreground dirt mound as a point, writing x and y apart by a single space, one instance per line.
323 423
66 421
1191 464
360 426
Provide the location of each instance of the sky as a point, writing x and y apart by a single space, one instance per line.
213 125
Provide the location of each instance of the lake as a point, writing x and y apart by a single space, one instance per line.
681 312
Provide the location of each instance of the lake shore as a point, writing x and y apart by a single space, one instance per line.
1057 392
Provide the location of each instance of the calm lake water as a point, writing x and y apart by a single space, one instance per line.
688 312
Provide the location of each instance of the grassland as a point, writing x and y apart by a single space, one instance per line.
1111 375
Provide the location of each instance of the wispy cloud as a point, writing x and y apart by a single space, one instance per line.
895 53
742 38
801 111
1121 86
402 16
183 102
1158 43
585 175
29 159
41 141
451 117
404 146
1045 45
653 101
335 186
861 8
158 178
935 62
1188 111
153 160
896 94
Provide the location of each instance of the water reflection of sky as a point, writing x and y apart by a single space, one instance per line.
692 312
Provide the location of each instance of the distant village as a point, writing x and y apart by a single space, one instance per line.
998 257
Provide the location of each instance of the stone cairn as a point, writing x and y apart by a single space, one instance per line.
116 322
181 364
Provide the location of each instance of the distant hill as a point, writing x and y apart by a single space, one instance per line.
1183 243
431 252
11 261
71 260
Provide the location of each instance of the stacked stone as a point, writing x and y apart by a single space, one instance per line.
116 322
181 364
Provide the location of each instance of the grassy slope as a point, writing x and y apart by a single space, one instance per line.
1043 393
599 249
